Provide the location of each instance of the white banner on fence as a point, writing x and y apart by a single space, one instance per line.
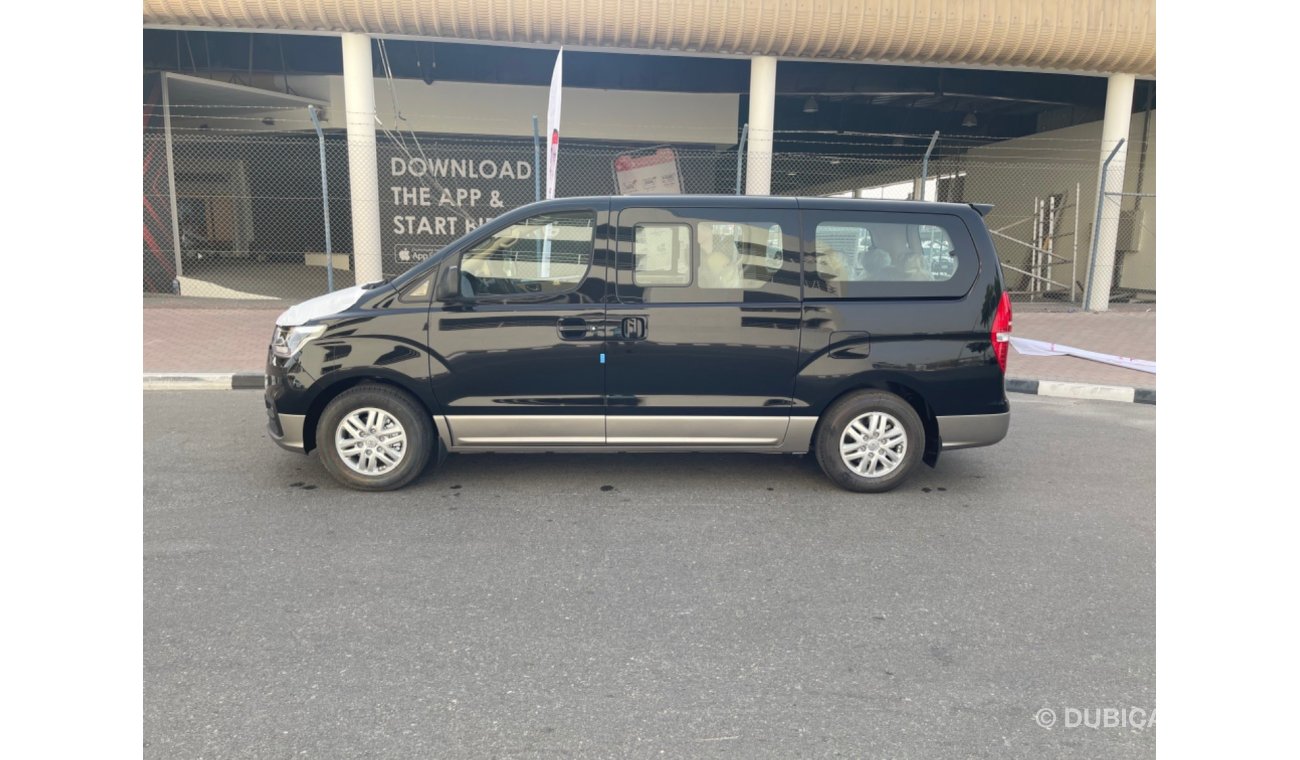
1029 347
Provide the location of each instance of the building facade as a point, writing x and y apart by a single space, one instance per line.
278 132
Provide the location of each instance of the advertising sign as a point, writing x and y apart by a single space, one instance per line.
648 173
430 199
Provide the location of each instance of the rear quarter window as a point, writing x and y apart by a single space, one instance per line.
862 254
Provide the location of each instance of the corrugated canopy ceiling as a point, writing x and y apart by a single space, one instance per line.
1103 36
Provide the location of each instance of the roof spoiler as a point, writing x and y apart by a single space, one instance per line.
982 208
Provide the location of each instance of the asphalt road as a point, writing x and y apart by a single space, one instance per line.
650 605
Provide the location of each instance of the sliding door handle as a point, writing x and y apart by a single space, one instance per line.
633 328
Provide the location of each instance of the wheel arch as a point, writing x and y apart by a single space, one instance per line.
348 382
903 390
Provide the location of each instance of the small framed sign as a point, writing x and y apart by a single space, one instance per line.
652 171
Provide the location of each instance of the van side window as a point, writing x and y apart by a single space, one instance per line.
739 256
938 248
712 256
420 292
545 254
662 255
887 255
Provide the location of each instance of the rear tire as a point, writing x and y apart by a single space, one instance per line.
375 438
870 441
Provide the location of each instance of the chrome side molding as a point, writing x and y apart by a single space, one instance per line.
595 432
477 430
697 431
798 439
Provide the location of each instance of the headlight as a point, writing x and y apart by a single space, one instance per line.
288 341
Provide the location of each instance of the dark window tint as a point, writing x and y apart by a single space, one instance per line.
661 255
739 256
938 249
879 255
544 254
685 255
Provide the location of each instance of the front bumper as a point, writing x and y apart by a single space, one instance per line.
285 429
286 386
970 430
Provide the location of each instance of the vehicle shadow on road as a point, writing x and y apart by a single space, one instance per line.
690 477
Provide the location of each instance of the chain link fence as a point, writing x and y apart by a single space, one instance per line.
245 228
1043 193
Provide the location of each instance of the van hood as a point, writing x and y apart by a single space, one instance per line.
321 306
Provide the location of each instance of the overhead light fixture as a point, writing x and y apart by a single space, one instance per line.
969 120
426 66
810 105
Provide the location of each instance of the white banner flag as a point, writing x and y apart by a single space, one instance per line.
553 124
1030 347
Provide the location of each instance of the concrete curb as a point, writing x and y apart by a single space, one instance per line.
203 381
1122 393
225 381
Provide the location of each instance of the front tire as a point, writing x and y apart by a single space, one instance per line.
870 441
375 438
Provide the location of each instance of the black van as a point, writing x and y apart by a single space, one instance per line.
873 333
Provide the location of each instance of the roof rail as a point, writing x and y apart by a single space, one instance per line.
982 208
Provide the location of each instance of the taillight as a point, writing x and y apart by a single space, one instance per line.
1001 332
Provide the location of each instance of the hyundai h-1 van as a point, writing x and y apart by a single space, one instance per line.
872 334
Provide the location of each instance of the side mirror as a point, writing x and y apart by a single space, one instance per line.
448 283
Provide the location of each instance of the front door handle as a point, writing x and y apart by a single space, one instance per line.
634 328
574 328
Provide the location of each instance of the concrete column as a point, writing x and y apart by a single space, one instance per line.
1119 108
363 156
762 110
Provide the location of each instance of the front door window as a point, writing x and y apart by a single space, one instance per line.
547 254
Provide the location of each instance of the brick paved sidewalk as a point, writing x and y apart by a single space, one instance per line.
181 338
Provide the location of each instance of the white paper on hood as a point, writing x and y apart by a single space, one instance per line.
1030 347
320 306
